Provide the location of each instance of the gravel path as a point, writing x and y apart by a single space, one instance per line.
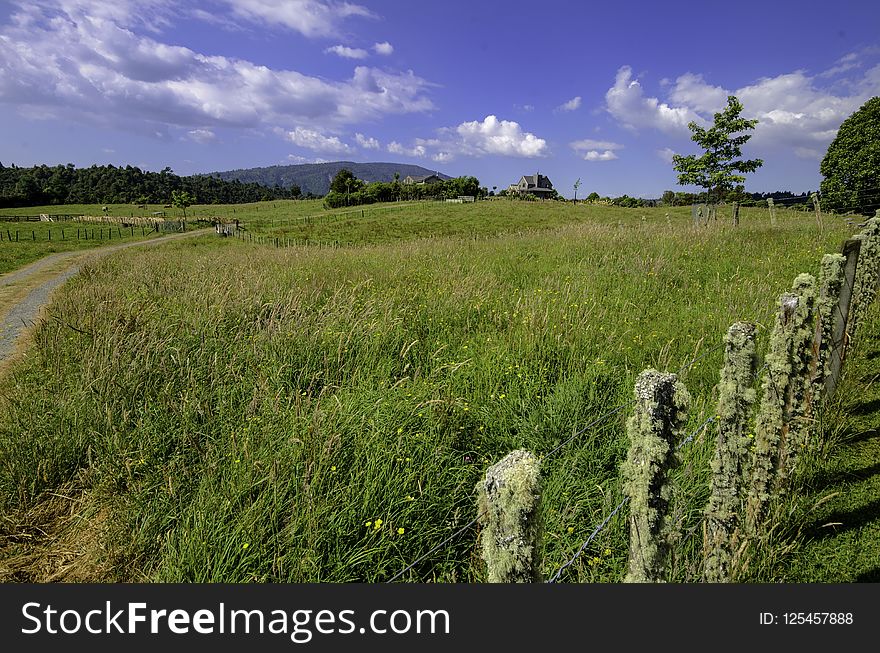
24 313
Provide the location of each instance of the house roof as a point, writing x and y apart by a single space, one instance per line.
538 181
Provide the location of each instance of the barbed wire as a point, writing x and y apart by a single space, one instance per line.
596 421
437 547
607 519
583 546
704 354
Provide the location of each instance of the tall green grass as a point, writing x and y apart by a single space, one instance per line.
249 413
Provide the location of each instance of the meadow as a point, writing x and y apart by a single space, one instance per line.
215 410
25 242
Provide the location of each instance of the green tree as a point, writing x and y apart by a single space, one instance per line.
716 170
851 167
577 185
592 197
181 199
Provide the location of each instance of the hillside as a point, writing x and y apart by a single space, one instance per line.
315 177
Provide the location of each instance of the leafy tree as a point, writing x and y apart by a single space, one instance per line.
851 167
592 197
345 182
577 185
181 199
716 169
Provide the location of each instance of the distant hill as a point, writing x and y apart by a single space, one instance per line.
315 177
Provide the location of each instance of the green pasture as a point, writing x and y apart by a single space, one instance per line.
236 412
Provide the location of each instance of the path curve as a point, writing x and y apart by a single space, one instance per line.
22 314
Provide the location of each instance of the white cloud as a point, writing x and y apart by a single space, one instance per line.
592 150
794 110
366 142
626 101
82 60
493 136
666 154
298 160
314 140
346 52
590 144
474 139
595 155
417 151
202 135
312 18
690 90
573 104
384 48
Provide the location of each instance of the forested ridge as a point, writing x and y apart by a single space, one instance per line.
108 184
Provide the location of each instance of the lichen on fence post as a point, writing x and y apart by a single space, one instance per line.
771 413
831 278
508 502
865 288
772 211
736 396
851 252
661 409
794 434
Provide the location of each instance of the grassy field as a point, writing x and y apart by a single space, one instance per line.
25 242
221 411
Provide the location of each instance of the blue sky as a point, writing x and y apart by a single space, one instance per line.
597 91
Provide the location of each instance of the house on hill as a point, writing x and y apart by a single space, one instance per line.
421 180
536 184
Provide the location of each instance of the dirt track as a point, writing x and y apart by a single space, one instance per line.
24 293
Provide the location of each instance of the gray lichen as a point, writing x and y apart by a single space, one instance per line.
771 413
508 501
831 278
735 401
656 424
865 286
798 419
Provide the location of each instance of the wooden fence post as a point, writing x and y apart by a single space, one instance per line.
780 394
831 279
508 502
839 341
736 395
772 211
815 198
656 425
771 414
865 287
793 439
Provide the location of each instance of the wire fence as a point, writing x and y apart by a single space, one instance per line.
699 357
550 454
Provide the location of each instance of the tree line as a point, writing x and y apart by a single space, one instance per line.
108 184
348 190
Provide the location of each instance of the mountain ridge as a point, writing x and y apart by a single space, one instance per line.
315 178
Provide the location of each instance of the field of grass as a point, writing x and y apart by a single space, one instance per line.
223 411
25 242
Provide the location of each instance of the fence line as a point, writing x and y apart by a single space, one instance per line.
437 547
551 453
795 365
607 519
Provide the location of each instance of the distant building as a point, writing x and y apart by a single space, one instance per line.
425 180
536 184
